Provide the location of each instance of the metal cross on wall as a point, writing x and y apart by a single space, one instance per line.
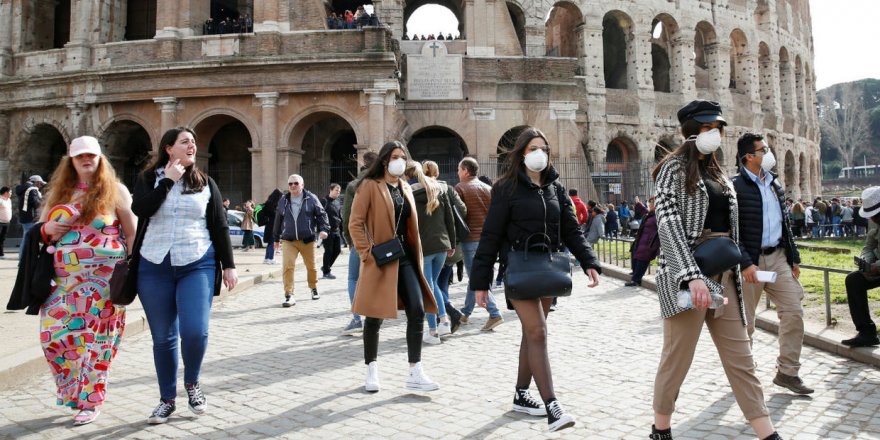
434 46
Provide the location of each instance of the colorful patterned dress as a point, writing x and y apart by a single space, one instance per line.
80 329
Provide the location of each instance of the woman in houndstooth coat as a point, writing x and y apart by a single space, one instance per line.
694 202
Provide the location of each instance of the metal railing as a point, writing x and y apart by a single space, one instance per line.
825 272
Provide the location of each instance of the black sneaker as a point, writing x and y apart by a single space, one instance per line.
162 412
660 434
557 419
862 340
315 294
524 402
197 402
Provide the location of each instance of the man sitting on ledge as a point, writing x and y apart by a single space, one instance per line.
868 276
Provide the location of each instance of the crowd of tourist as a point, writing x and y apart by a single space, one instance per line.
352 20
229 25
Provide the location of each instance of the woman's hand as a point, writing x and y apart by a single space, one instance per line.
230 278
699 294
450 252
174 170
593 275
482 298
55 230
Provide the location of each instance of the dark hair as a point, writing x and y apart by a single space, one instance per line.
4 190
746 145
377 169
516 156
688 150
470 165
572 192
369 159
591 203
334 186
485 179
194 179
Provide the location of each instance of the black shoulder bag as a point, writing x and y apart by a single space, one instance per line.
390 250
461 227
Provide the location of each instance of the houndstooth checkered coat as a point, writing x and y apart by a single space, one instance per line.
680 220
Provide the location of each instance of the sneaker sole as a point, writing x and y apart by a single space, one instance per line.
286 305
371 389
422 387
432 341
198 411
86 421
352 332
531 411
563 423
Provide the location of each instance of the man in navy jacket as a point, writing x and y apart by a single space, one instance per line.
767 245
298 216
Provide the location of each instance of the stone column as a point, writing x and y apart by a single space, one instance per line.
683 74
78 49
77 113
266 16
376 102
592 62
752 89
564 112
4 148
6 65
268 143
769 71
168 106
480 22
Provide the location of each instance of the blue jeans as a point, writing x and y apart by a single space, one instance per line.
177 301
470 300
443 282
25 227
432 265
354 271
270 250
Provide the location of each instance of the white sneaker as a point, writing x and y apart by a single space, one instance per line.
288 301
430 338
419 380
371 383
444 329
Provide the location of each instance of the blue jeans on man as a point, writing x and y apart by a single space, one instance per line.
469 249
354 271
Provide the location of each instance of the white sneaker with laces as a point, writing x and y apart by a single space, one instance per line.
444 329
557 419
371 383
431 338
419 380
288 301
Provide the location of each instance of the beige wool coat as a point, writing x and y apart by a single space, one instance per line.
376 292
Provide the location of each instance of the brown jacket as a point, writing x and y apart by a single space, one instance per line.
376 292
477 196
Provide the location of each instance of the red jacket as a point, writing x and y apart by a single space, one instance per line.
580 209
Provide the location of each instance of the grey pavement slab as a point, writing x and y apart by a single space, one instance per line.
288 373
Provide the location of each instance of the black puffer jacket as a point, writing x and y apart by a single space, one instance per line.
751 221
522 210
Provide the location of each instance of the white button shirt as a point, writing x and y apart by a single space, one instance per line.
179 227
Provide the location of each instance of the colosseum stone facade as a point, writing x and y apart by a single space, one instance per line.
602 78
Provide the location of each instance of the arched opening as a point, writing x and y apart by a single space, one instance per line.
790 170
45 24
762 15
617 49
739 69
127 145
230 17
42 150
140 20
441 145
786 81
766 83
705 42
329 150
430 18
560 35
505 145
224 150
620 179
518 18
804 174
663 30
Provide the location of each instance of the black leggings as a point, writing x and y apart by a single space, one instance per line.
410 292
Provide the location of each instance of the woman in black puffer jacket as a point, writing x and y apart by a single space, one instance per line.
529 200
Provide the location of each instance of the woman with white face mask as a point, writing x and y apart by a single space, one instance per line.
694 202
530 208
383 211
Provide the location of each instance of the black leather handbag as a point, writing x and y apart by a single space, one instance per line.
461 228
717 255
533 274
388 251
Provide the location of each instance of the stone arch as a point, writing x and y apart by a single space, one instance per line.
766 82
140 19
505 145
739 66
127 145
620 179
440 144
705 43
561 35
327 142
617 46
230 112
664 28
224 144
456 6
786 82
789 169
41 150
518 19
804 175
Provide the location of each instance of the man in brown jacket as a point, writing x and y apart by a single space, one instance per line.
476 196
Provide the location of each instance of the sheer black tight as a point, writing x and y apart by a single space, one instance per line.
533 359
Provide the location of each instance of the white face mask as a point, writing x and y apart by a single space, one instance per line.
768 161
536 161
396 167
709 141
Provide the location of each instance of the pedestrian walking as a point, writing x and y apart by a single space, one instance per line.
625 216
437 234
596 225
529 200
266 218
846 219
356 324
384 213
645 246
696 202
247 226
5 214
298 218
333 243
867 276
859 223
611 226
476 196
798 219
185 251
80 328
767 244
29 200
579 207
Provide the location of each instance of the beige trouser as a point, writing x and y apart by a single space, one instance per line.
787 294
289 251
680 335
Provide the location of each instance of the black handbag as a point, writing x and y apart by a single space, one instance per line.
387 251
533 274
44 273
123 290
461 228
717 255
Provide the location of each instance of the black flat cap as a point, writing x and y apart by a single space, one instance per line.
701 111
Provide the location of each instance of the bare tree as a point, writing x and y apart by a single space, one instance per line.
844 122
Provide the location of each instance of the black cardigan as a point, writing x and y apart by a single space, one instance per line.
147 200
751 221
22 297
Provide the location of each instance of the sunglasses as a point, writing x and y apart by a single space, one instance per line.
292 183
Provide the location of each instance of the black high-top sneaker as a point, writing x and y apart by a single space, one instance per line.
660 434
524 402
557 419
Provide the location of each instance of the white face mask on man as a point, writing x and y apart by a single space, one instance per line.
397 167
536 161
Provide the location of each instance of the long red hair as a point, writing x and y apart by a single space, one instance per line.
101 197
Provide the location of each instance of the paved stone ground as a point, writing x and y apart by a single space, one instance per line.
275 372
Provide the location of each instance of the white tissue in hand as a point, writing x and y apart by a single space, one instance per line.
765 276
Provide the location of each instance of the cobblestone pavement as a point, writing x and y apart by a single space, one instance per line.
287 372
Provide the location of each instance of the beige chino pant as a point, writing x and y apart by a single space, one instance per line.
289 251
680 335
786 293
